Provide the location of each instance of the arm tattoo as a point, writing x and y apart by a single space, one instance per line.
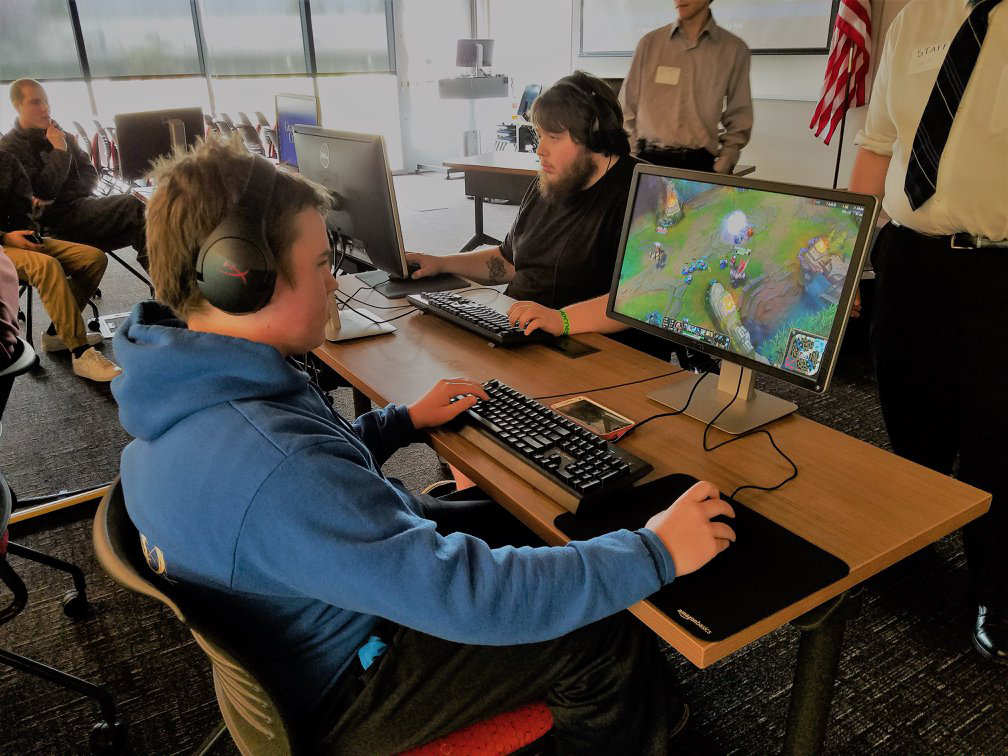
498 274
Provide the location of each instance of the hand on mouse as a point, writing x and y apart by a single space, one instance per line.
422 265
687 531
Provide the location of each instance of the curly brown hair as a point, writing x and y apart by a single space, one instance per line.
193 192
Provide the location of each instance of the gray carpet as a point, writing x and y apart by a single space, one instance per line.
909 683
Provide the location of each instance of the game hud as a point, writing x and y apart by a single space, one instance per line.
753 272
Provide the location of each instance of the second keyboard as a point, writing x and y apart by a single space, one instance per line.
475 317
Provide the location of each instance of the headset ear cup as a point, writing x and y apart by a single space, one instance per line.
236 276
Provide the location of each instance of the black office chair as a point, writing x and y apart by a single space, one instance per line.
109 735
269 133
25 314
211 127
250 138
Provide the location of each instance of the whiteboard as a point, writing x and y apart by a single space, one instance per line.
766 26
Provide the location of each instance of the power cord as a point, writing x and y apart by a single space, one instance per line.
747 434
615 385
733 439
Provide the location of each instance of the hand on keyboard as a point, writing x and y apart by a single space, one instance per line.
687 530
531 316
448 398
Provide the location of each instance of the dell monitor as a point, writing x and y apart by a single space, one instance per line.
141 138
291 110
474 53
354 168
759 274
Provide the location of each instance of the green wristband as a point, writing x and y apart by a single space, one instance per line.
566 322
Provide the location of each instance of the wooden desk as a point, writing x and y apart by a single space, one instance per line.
860 503
505 176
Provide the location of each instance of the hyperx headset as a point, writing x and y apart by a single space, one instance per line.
236 269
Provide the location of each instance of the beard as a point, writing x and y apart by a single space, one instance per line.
571 181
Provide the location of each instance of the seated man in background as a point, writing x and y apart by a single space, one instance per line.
265 509
562 245
45 264
63 178
8 311
685 79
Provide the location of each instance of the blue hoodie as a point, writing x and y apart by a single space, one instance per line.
255 493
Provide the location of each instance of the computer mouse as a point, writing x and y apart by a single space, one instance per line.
411 268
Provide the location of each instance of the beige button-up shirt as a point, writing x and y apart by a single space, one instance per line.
972 194
678 92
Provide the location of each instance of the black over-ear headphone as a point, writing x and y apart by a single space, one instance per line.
597 139
236 269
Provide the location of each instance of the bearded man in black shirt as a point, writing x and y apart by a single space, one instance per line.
561 248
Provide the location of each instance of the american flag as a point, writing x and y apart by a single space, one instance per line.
852 32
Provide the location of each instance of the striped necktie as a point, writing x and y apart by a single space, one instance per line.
936 121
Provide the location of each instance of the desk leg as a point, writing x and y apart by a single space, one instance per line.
480 239
815 672
361 403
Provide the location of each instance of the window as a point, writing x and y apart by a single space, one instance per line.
126 38
37 41
352 36
250 37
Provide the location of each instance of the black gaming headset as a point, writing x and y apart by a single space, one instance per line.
597 139
236 269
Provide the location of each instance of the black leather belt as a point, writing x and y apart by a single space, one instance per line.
963 240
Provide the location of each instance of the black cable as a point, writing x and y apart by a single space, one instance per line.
606 388
747 434
689 399
377 307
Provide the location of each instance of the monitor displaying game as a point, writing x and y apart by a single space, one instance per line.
759 274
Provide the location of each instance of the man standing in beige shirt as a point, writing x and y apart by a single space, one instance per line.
685 79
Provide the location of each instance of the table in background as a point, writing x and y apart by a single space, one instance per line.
864 505
505 176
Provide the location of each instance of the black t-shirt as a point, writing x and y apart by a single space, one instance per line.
565 253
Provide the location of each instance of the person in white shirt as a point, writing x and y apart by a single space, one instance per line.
935 147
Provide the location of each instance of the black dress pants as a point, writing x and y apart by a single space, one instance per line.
606 683
108 223
938 339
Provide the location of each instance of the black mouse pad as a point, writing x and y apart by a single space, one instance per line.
766 569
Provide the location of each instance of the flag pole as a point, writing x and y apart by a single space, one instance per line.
846 107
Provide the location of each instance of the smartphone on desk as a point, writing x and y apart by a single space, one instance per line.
590 414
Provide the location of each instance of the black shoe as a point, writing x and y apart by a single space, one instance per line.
990 636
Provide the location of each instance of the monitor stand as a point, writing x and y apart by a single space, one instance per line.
750 410
393 287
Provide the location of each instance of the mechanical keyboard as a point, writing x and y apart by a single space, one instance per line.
478 318
567 462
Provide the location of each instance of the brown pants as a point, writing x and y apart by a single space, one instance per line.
65 275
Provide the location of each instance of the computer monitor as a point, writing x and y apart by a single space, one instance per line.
354 168
291 110
759 274
528 97
141 138
476 53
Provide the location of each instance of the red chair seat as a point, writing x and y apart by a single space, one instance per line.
504 733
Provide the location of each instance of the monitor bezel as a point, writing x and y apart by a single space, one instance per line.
279 130
378 141
818 383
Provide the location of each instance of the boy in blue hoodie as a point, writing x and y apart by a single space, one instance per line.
268 511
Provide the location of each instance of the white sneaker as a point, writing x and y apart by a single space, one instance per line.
50 342
95 366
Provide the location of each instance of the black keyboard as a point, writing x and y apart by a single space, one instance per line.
559 457
475 317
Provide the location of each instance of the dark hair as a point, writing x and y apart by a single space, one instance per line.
574 104
193 192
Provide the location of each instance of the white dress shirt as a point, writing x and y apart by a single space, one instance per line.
972 194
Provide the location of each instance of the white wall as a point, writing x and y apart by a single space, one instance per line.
534 36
